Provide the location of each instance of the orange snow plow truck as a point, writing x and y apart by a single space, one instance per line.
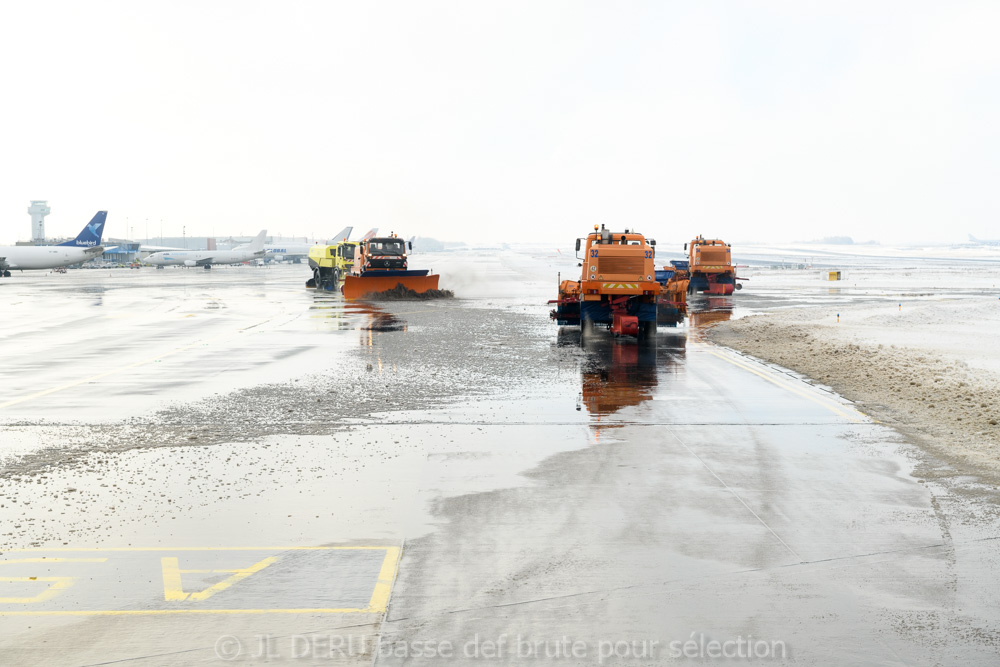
711 267
617 287
380 264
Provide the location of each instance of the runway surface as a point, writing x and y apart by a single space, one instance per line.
207 467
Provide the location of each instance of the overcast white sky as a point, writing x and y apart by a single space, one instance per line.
474 120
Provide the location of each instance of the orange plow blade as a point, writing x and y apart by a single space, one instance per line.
357 287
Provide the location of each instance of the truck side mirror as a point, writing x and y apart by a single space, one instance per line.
410 243
685 246
652 242
578 245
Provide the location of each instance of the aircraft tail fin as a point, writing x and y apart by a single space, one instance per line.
973 239
343 235
371 234
257 245
91 235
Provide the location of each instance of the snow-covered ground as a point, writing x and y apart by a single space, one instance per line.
917 347
866 255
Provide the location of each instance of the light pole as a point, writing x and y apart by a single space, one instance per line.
184 236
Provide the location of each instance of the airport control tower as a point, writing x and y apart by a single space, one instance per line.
38 210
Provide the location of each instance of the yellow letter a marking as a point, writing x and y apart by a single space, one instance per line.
173 590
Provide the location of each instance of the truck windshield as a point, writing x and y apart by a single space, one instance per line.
385 247
347 251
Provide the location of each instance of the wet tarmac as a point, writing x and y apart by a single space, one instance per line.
206 467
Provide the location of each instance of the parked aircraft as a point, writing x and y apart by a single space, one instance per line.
279 252
973 239
282 251
206 258
87 245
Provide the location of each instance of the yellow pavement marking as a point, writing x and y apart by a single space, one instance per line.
380 597
173 591
826 403
58 583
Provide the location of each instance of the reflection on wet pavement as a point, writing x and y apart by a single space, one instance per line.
707 311
354 314
617 373
617 377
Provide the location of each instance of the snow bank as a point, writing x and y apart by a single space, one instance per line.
931 368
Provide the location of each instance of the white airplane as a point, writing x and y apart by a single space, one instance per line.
282 251
297 251
206 258
87 245
973 239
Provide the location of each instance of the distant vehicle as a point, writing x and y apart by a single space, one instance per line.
973 239
710 264
87 245
330 263
380 264
206 258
